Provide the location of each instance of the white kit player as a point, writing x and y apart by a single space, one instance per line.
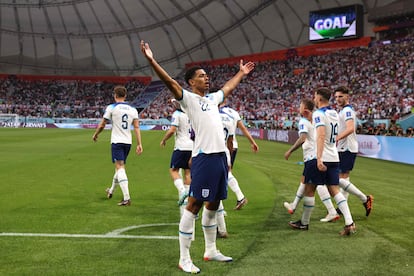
307 141
209 169
183 146
348 148
122 116
238 123
324 170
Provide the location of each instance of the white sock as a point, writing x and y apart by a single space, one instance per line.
210 231
234 186
342 204
345 193
221 222
179 184
352 189
326 199
308 205
123 183
114 182
187 188
182 207
186 229
299 196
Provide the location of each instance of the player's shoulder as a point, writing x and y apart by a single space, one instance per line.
304 121
177 112
232 111
348 108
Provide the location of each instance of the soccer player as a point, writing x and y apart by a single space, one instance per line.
209 168
122 116
229 129
348 147
238 123
307 141
180 127
324 169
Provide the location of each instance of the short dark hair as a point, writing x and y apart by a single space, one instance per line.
190 73
120 91
309 104
325 92
342 89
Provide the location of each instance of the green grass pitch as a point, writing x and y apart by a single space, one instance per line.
53 182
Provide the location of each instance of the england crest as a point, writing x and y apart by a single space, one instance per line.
205 193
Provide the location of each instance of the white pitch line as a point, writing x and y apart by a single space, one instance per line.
87 236
116 234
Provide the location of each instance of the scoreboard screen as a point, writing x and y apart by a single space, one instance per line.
336 23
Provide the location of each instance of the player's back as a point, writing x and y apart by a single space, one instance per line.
329 118
121 116
229 126
236 118
182 135
309 146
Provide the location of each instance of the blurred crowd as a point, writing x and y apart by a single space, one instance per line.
59 98
380 78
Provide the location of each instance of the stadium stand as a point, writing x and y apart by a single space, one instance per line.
380 76
382 85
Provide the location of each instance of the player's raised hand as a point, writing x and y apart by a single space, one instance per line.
146 50
246 68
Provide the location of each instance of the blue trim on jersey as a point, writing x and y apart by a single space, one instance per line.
223 112
115 104
182 95
222 95
318 119
323 109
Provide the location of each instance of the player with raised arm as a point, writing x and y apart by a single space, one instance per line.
209 169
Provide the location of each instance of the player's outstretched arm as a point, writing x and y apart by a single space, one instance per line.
254 146
171 84
245 69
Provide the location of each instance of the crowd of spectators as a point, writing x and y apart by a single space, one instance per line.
380 78
59 98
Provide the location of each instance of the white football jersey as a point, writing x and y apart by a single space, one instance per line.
229 129
350 142
327 117
205 120
121 116
182 135
236 118
309 146
229 125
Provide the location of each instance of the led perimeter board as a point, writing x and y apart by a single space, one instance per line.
336 23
